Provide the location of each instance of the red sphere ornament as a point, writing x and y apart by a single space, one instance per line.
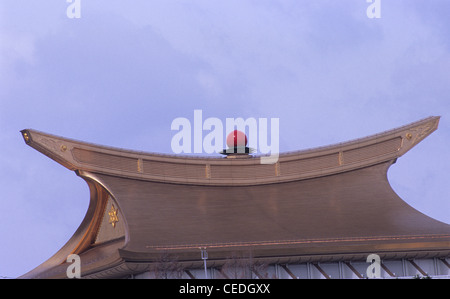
236 138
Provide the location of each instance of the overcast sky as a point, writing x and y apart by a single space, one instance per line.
121 73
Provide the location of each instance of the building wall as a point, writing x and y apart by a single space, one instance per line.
433 267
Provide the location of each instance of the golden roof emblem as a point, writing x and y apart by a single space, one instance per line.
113 216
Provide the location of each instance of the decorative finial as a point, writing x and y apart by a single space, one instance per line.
237 145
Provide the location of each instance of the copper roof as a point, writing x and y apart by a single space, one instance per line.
327 203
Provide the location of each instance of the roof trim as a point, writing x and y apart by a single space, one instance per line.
218 171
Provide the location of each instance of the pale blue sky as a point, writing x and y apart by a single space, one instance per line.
121 73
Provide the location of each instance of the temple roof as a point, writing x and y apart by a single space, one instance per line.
319 204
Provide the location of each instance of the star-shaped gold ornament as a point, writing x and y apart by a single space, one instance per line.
113 216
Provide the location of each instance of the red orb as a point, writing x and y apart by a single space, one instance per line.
236 138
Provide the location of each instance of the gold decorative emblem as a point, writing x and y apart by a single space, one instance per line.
277 169
341 158
207 171
26 137
113 216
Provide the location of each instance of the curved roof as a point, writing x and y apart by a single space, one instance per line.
292 166
318 204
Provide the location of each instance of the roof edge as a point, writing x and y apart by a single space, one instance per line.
291 166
